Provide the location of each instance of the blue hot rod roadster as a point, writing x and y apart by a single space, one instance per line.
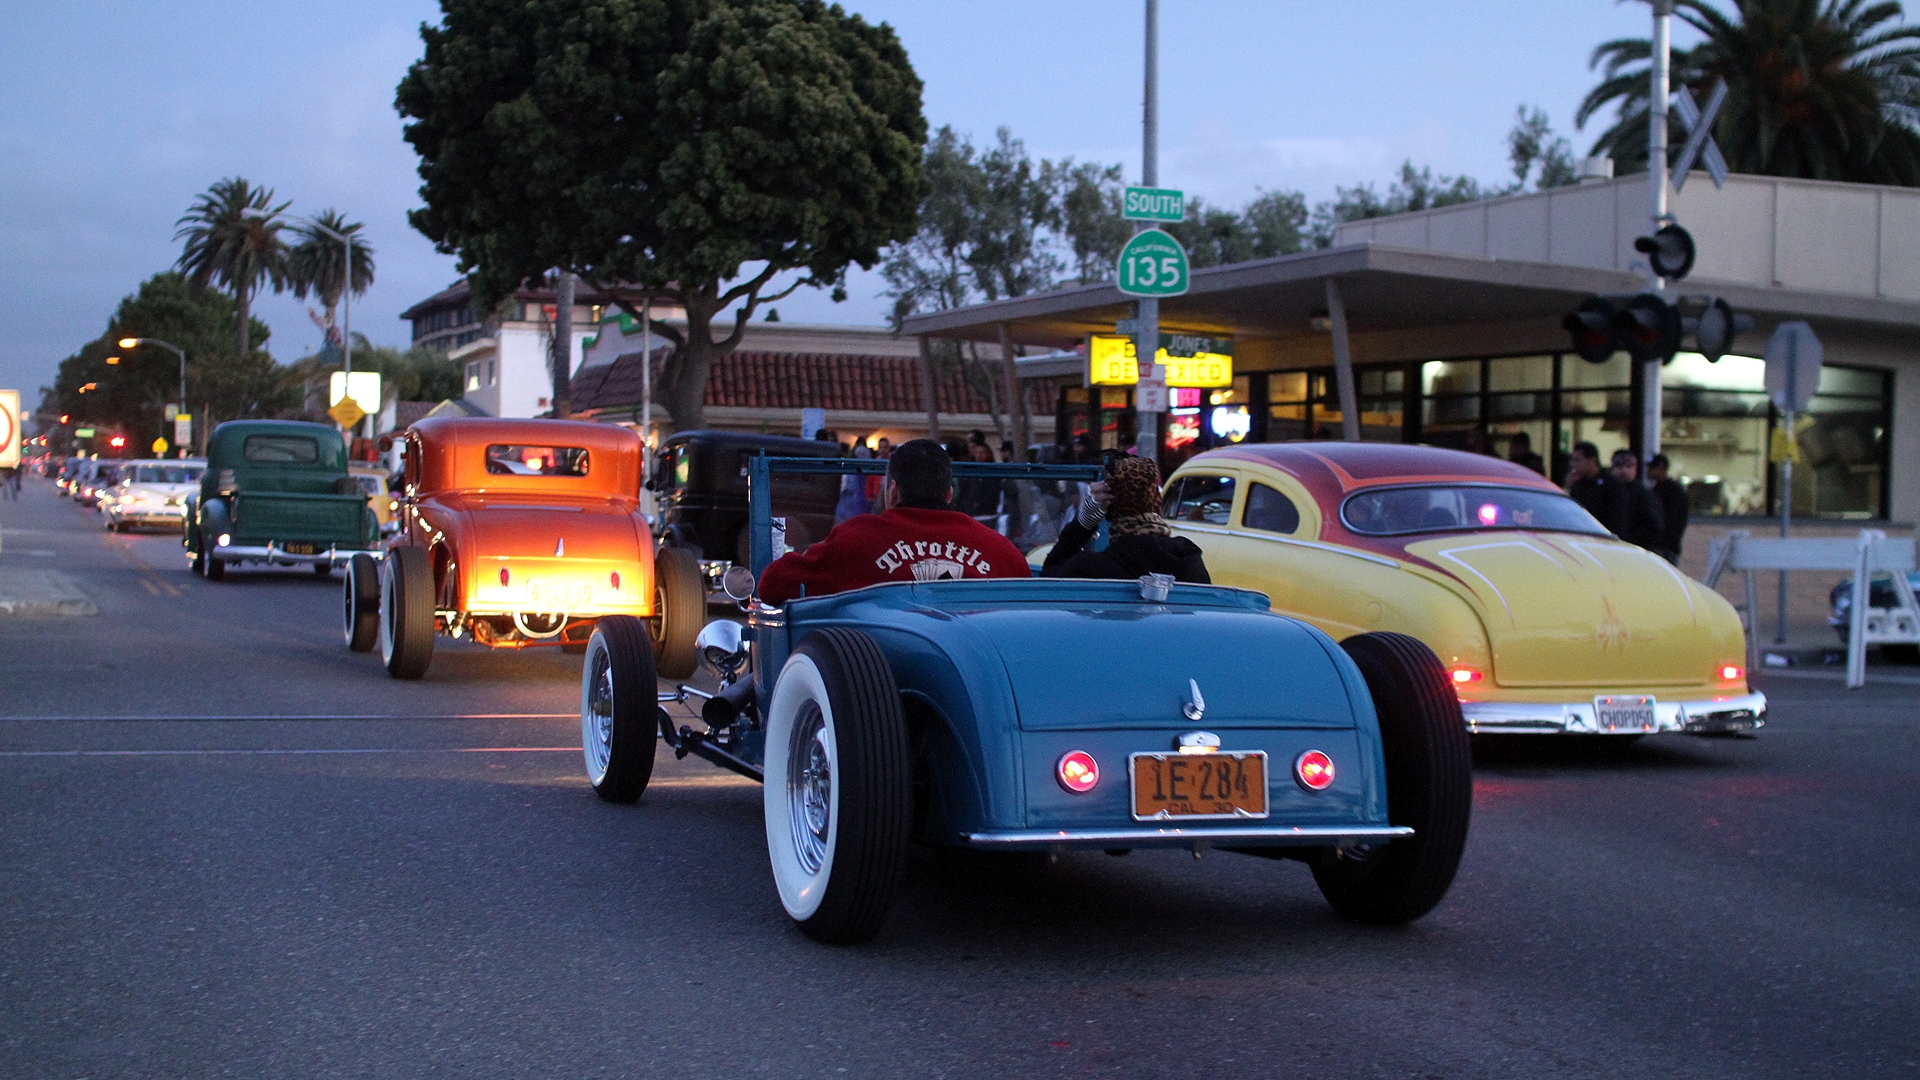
1049 715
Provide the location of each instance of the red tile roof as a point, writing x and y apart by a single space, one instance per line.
777 380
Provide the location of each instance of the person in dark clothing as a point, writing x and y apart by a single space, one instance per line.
1583 477
1627 505
1671 494
1139 540
1520 452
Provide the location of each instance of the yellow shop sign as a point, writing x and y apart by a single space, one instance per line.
1190 361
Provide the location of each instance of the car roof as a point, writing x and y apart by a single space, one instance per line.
453 453
1331 470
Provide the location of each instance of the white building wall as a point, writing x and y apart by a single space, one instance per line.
506 374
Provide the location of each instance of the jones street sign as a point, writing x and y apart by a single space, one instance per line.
1153 204
1152 264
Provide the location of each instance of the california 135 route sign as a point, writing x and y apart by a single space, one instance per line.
1152 264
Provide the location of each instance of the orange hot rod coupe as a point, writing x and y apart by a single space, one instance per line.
1546 622
520 533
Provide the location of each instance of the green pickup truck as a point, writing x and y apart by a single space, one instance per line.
277 492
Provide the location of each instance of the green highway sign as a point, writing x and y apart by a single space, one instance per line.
1153 204
1152 264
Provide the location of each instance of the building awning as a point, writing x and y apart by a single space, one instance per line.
1385 289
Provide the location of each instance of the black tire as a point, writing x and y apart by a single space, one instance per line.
406 612
213 522
360 604
215 569
619 712
1429 766
837 848
679 611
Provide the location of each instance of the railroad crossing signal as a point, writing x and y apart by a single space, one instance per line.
1699 125
1669 251
1647 327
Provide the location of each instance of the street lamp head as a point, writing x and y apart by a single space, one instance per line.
113 360
130 342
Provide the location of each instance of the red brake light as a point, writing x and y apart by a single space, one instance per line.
1314 770
504 575
1077 771
616 578
1732 673
1464 675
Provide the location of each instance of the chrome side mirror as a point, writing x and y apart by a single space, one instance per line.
737 583
722 647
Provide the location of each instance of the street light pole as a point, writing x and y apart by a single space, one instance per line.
131 342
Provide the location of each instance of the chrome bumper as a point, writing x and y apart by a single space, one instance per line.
273 553
1737 712
1148 837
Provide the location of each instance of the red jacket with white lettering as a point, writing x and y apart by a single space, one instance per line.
902 544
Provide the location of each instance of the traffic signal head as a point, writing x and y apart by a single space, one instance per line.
1716 327
1593 330
117 442
1670 251
1649 328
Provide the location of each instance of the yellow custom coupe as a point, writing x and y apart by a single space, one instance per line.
1546 622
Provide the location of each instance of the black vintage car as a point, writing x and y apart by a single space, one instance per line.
700 482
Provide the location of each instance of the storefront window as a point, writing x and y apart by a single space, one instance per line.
1713 428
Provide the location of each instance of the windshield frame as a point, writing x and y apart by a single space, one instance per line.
1347 500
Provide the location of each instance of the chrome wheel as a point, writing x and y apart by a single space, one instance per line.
596 713
810 788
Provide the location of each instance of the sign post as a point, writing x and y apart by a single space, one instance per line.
1793 358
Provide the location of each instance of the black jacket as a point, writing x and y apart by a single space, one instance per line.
1674 507
1630 512
1125 557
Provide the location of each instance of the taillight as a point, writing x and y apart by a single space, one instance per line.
1077 771
615 576
1314 770
1732 673
1463 675
504 576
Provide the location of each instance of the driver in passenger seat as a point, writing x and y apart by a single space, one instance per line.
919 537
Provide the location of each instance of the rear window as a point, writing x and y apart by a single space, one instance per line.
514 460
280 450
165 474
1450 507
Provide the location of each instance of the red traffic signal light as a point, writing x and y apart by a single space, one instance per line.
1649 328
1592 327
117 442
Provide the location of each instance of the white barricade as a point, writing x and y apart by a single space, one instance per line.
1869 553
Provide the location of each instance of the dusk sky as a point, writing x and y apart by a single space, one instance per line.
118 114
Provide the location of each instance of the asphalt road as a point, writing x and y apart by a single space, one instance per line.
228 847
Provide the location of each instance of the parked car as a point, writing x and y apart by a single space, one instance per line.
152 493
69 475
1881 593
373 483
700 488
1546 623
277 492
1000 716
519 534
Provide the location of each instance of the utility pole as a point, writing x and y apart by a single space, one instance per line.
563 347
1657 181
1147 315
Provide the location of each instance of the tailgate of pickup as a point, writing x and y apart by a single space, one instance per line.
287 517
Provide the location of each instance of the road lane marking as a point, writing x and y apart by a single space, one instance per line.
148 584
277 753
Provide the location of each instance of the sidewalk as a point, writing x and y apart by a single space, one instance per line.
40 593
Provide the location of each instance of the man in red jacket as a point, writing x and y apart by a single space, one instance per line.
920 537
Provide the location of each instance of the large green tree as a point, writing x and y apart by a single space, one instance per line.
131 396
231 238
661 146
1825 91
317 265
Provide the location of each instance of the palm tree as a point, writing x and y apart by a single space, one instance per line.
232 235
1826 91
318 263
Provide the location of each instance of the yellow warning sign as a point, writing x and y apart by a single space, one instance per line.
160 445
347 412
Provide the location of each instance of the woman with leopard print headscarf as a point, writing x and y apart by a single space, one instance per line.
1139 541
